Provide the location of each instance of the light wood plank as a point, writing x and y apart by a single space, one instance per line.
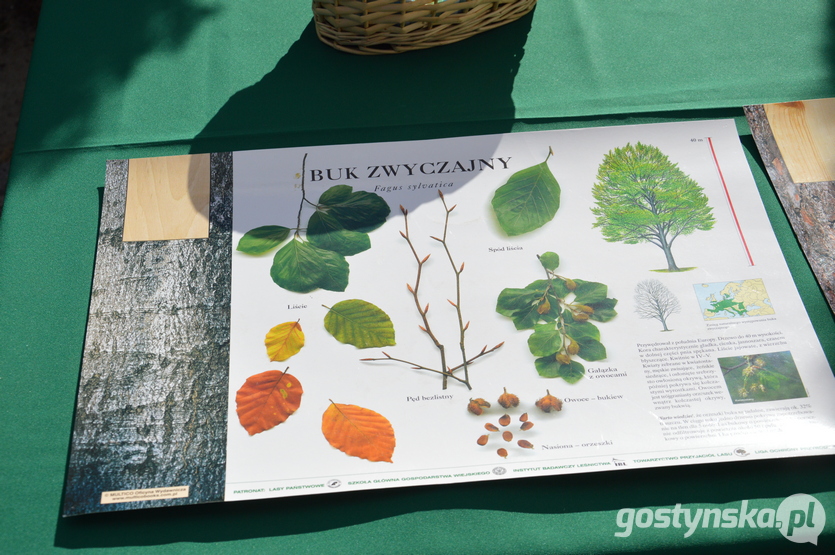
167 198
805 134
809 206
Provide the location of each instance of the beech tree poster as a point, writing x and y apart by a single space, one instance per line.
428 312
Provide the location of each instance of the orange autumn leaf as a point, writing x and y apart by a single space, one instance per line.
267 399
284 341
358 432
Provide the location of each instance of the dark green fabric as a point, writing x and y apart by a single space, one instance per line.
120 80
120 73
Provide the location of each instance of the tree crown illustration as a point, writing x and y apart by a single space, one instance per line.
643 197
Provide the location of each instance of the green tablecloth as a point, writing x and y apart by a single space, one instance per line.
121 80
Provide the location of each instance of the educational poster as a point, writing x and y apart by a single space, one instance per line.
492 307
431 312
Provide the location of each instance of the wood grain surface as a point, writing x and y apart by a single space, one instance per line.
805 134
810 207
167 198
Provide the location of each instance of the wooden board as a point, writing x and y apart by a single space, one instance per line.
809 205
167 198
805 133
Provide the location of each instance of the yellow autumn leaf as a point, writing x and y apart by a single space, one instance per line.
284 341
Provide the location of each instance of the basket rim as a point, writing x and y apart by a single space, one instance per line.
395 26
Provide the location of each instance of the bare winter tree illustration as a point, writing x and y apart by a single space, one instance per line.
654 301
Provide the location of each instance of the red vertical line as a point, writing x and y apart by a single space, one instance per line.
730 203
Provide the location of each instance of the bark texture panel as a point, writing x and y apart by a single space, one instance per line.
810 207
152 396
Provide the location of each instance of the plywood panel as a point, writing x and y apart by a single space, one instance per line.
167 198
805 134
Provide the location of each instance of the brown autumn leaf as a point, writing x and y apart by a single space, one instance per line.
284 341
267 399
358 432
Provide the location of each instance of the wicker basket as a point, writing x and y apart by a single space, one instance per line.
392 26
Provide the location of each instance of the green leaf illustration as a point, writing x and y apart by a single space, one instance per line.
572 373
604 310
301 267
589 292
772 380
262 239
523 305
591 349
520 305
560 311
545 340
356 211
548 367
580 330
359 323
513 300
528 200
556 288
325 232
315 257
550 260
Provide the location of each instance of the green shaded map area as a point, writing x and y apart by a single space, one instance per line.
733 299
